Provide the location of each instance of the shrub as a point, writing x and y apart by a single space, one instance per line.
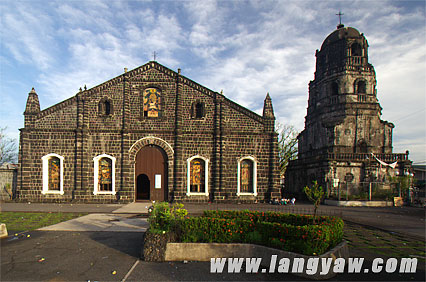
164 217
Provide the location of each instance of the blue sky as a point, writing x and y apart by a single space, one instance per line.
245 48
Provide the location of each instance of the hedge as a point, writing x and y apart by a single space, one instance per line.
289 232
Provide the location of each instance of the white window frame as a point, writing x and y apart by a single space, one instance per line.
96 175
45 161
206 176
239 193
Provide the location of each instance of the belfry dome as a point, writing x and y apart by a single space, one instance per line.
341 33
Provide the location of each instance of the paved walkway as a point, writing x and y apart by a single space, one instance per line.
102 222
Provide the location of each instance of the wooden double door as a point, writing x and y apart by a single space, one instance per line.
151 174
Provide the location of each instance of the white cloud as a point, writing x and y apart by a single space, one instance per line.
246 48
26 34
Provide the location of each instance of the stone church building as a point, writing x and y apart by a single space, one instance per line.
148 134
344 143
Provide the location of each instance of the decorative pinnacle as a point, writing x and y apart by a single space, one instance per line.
268 110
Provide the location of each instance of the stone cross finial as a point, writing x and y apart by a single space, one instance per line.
340 14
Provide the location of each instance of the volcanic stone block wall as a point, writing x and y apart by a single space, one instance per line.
78 129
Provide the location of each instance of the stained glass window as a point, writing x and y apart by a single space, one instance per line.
246 176
105 174
54 173
152 102
197 176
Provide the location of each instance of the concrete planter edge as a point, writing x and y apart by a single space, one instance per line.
206 251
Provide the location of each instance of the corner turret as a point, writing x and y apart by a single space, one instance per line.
268 111
32 108
268 114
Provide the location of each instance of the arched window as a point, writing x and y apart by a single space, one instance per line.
53 174
54 164
197 176
197 110
151 103
334 88
105 107
356 50
104 175
362 147
361 87
247 176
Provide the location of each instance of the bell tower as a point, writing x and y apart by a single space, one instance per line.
343 114
344 134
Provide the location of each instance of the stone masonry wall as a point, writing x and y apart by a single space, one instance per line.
78 132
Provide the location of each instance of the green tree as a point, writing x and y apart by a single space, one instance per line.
403 183
287 145
315 195
8 148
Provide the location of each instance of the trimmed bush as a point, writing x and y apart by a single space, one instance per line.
289 232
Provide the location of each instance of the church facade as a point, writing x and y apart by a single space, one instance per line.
148 134
345 144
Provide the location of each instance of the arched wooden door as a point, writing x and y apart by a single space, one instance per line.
151 174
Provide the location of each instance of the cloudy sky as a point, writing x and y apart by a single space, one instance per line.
245 48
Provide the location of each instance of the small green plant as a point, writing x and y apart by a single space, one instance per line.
315 195
8 189
164 217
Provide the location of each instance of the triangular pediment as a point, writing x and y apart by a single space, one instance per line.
152 65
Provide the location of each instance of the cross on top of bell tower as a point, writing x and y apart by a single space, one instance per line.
340 14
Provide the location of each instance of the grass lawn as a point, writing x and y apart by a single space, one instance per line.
27 221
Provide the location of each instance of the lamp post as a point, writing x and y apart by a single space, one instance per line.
399 185
410 189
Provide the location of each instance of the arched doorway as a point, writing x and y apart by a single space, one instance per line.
151 174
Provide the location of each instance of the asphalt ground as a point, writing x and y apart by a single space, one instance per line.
110 256
115 256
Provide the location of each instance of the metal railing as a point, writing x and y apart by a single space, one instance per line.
289 208
366 156
364 191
